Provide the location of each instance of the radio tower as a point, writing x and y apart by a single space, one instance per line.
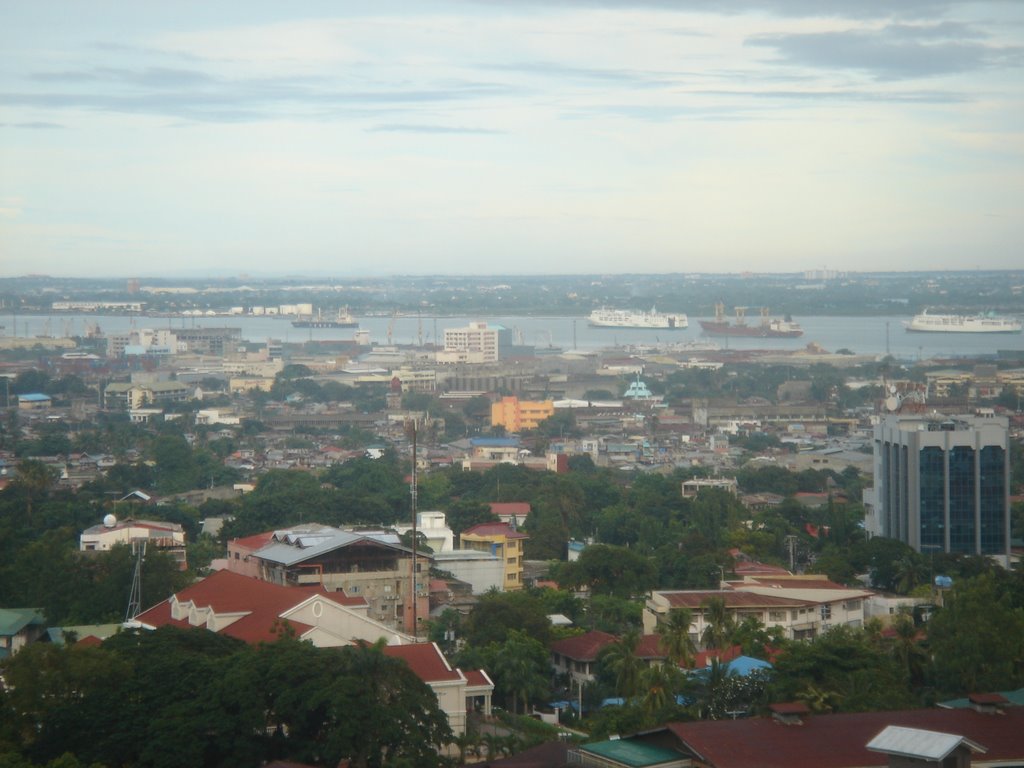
135 597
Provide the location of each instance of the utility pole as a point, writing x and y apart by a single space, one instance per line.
791 544
412 500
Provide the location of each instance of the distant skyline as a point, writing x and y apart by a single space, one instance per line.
517 137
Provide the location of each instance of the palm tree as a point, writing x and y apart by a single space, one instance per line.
720 626
658 686
674 637
620 658
906 648
911 570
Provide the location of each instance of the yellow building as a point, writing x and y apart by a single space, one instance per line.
502 540
515 415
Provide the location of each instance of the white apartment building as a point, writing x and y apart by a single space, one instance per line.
489 342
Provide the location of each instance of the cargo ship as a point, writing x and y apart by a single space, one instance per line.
767 328
624 318
925 323
343 319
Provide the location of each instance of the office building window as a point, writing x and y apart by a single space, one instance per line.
992 489
933 499
961 499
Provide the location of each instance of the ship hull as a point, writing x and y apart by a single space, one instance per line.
926 323
750 331
650 321
323 324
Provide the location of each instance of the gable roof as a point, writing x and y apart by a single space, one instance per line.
297 545
737 598
426 660
261 602
585 647
13 620
840 741
494 529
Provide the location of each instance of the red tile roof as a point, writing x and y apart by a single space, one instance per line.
494 529
426 660
733 599
254 542
650 648
583 647
263 602
704 658
838 741
795 582
517 508
477 678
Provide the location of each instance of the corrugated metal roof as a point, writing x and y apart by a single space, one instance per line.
919 743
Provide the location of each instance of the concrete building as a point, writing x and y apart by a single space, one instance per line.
166 537
515 415
942 483
503 541
489 343
372 565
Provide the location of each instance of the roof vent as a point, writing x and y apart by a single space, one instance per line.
988 703
789 712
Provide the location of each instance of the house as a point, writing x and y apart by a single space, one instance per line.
167 537
845 740
503 541
255 611
35 401
513 513
801 606
577 656
373 565
18 628
456 691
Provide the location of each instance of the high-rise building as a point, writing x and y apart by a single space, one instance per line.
942 483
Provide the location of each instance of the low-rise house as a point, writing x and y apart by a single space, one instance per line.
255 611
18 628
167 537
802 607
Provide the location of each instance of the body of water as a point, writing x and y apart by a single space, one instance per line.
862 335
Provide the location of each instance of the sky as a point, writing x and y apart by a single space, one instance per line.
509 137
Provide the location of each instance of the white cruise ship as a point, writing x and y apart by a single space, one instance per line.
624 318
926 323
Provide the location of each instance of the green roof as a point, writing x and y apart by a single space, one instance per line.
13 620
635 754
1014 697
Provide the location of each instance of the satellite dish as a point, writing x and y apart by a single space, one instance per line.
892 389
892 403
109 521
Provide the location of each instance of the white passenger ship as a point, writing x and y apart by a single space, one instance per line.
926 323
624 318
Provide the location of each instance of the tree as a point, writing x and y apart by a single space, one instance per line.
987 656
497 614
719 624
608 570
674 637
849 671
621 661
521 669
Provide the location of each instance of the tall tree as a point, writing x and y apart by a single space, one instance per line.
719 624
620 659
675 639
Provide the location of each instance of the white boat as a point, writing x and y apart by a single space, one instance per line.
624 318
926 323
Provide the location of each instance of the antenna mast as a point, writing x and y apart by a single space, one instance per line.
135 596
415 535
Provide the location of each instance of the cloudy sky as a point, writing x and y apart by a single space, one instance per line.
487 136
